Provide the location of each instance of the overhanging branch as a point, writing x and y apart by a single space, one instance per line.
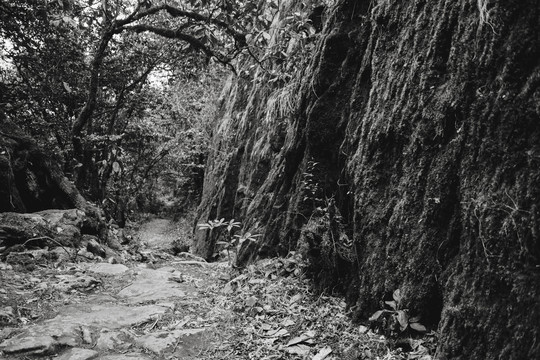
178 35
238 36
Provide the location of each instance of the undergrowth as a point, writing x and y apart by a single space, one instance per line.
269 311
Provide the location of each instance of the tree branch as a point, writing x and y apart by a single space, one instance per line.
178 35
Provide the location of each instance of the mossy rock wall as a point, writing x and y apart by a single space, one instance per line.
409 158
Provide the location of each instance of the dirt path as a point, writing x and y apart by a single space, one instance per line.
113 311
159 233
176 308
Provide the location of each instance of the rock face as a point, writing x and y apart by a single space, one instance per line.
406 156
64 226
31 181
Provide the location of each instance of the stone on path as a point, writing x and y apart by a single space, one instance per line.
152 285
78 354
81 282
106 268
113 340
158 233
182 342
130 356
66 329
42 339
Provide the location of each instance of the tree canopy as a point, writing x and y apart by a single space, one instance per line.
89 78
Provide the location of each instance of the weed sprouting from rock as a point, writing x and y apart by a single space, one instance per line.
232 241
396 320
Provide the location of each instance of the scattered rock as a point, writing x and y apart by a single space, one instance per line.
185 341
107 268
93 246
42 339
86 335
114 238
76 282
48 227
86 254
130 356
153 285
113 340
78 354
4 266
189 256
109 316
31 257
66 330
62 254
42 286
7 332
7 315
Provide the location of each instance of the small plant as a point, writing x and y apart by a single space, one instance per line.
234 242
311 187
396 320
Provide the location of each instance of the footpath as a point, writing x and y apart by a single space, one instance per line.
160 306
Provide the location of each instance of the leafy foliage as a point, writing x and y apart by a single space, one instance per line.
234 241
115 86
396 320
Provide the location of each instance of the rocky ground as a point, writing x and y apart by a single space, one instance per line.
144 303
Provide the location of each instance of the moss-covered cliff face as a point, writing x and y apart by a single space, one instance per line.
408 157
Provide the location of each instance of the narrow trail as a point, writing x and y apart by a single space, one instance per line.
158 234
113 311
169 307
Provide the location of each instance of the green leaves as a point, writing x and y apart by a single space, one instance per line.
417 326
232 224
377 315
247 236
233 242
211 224
396 319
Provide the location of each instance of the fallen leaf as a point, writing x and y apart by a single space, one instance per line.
296 298
277 333
363 329
269 341
251 301
302 338
66 85
323 353
228 289
299 349
287 322
256 281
